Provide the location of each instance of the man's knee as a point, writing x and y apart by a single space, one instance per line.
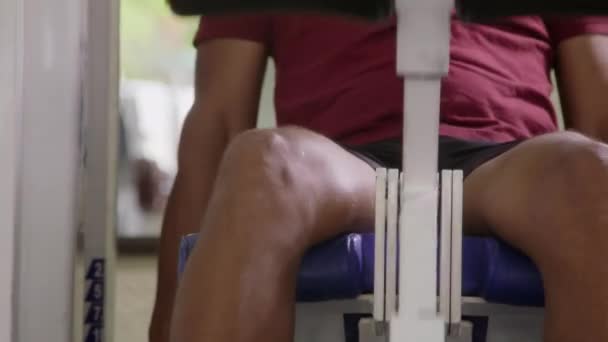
547 191
585 175
580 168
265 159
293 177
271 172
571 200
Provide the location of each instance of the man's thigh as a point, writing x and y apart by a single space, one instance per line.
540 195
454 154
506 186
527 194
293 182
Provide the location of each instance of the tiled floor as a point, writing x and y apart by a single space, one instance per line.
135 286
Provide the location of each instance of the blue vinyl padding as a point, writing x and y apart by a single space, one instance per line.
343 268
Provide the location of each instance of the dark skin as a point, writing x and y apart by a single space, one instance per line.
215 118
547 197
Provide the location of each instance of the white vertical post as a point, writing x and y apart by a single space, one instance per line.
380 269
48 49
445 250
456 250
418 282
392 237
101 84
423 44
10 61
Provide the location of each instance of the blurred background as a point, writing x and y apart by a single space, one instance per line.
156 92
157 63
157 70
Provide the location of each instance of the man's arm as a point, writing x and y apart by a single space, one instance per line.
582 74
229 75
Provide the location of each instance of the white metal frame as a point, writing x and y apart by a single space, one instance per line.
10 61
406 227
447 300
49 90
423 43
100 134
380 246
48 157
323 321
422 314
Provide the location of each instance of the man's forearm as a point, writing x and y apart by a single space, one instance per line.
175 225
582 73
201 149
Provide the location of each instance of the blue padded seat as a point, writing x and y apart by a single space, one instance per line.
343 268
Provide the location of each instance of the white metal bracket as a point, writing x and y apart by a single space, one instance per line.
423 44
388 255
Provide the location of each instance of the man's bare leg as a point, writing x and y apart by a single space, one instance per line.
281 191
278 192
549 198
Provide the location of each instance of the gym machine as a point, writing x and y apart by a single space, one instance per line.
61 59
406 283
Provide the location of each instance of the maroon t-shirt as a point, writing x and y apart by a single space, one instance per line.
338 77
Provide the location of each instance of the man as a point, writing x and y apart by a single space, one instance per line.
261 198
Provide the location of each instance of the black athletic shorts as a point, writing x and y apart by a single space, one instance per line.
454 154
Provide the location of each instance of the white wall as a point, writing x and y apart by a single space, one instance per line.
8 125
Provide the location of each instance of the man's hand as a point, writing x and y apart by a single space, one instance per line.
229 76
149 180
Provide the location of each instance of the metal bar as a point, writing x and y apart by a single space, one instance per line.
391 243
423 43
101 84
418 229
49 39
456 282
445 250
10 95
380 246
